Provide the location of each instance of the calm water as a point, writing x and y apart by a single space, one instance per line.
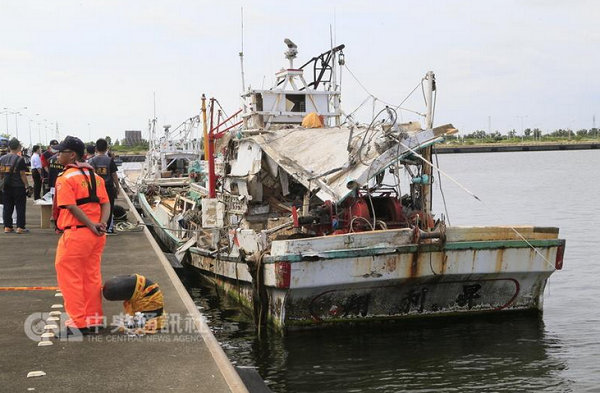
557 352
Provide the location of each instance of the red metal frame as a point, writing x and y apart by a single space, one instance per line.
213 135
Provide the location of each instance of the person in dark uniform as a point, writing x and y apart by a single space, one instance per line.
3 146
54 168
45 157
16 187
106 168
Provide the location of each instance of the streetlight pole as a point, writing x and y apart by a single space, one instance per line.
17 114
521 117
10 111
30 139
45 131
6 113
38 127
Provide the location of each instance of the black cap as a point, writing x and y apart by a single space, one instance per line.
14 144
71 143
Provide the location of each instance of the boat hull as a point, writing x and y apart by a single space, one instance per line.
321 288
160 220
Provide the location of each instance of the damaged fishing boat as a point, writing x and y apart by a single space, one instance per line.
308 223
161 186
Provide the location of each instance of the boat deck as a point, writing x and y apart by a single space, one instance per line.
184 358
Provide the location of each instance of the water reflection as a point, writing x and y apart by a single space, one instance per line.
501 353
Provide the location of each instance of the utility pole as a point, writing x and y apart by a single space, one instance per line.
521 117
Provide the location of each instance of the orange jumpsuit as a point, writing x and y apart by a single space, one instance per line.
79 250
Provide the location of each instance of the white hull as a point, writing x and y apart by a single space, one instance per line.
308 287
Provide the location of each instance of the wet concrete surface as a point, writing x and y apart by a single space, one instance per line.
182 358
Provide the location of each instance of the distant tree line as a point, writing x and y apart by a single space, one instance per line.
142 145
528 134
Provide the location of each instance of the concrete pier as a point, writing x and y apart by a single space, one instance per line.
183 358
503 147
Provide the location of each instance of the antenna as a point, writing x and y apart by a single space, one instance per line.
334 28
242 53
330 37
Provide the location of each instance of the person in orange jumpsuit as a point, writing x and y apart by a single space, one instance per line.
83 209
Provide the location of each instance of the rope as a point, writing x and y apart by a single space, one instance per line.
441 189
126 226
385 102
360 218
477 198
357 81
357 108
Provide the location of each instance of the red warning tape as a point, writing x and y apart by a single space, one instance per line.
28 288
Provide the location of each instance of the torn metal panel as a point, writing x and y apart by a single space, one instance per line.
284 181
248 162
272 166
318 157
390 156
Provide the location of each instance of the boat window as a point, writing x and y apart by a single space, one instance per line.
295 102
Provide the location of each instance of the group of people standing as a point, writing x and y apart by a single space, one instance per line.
45 169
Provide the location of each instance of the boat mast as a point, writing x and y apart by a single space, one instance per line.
242 55
334 86
427 170
212 181
204 127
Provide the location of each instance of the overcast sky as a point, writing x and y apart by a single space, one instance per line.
93 66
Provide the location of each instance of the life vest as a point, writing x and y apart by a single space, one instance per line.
91 186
